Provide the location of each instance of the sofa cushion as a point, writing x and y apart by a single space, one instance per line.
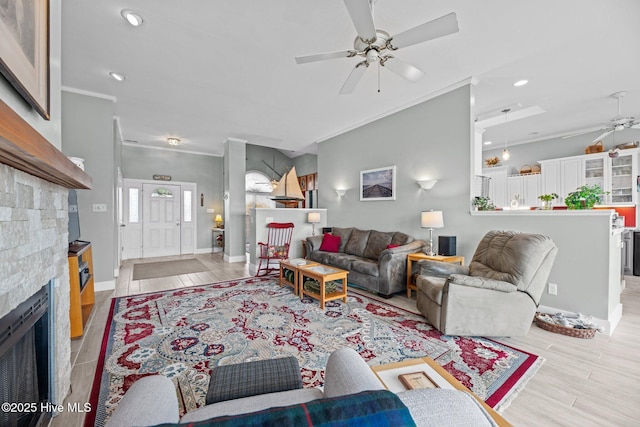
401 239
357 242
366 266
432 287
369 408
339 260
330 243
253 403
378 242
344 234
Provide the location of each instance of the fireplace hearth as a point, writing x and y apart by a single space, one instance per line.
25 362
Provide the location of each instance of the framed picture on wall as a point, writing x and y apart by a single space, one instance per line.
378 184
24 51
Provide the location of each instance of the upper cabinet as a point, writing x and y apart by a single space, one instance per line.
614 175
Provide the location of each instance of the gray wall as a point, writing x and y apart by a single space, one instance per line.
306 164
88 133
205 171
257 153
429 140
529 154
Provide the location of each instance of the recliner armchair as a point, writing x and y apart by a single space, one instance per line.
496 295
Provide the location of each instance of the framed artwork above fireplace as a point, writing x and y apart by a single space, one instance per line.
24 51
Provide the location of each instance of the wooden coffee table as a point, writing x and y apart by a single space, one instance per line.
323 274
293 265
388 375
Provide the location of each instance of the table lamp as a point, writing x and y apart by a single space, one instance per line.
313 218
218 220
430 220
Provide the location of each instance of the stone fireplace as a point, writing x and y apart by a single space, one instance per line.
33 252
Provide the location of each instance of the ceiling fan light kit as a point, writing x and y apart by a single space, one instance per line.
374 44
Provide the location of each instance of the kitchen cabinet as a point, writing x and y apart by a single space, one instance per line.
561 176
526 187
622 177
617 176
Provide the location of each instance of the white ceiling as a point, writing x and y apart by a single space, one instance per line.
205 71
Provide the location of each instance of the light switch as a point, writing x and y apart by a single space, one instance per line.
99 207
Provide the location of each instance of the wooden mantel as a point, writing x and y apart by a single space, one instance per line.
24 148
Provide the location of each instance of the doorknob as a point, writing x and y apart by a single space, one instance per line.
123 225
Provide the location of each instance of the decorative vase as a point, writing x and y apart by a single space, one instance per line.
547 204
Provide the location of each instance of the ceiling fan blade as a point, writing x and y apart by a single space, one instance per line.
404 70
635 126
324 56
603 135
360 13
353 79
443 26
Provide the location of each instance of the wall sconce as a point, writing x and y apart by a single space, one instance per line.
340 192
218 220
313 218
427 184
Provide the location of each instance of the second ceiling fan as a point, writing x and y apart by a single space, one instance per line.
375 45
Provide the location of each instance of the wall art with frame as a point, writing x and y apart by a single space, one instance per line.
24 51
378 184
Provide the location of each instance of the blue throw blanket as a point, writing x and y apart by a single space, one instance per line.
366 409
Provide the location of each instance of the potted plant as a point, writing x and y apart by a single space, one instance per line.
585 197
547 200
483 204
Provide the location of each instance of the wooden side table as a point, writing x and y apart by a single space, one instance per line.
411 258
323 274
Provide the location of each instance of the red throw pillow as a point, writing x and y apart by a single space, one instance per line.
391 246
330 243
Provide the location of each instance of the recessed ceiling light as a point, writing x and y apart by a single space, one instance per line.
173 141
132 17
521 83
487 143
117 76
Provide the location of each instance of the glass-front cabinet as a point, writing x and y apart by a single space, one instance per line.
594 172
622 179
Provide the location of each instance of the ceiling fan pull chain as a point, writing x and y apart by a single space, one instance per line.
379 65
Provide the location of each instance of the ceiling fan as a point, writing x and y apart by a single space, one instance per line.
617 123
375 45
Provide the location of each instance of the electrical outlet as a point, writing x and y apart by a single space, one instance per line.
553 289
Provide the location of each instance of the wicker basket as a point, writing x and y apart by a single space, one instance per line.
564 330
524 169
598 147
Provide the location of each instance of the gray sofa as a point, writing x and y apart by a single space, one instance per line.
152 400
366 255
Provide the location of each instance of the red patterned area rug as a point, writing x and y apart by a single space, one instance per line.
184 333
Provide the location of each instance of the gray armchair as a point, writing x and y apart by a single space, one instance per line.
496 295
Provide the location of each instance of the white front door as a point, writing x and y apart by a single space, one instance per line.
161 220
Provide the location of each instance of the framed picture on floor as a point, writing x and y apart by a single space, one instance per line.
378 184
24 51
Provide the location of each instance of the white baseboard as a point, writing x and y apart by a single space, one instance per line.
208 250
238 258
108 285
609 325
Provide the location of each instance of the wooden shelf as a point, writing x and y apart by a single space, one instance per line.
81 292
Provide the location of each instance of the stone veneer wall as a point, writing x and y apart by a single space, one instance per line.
33 250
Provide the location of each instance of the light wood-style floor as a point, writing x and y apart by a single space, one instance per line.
583 382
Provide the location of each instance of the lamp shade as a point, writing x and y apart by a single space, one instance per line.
218 218
313 217
432 219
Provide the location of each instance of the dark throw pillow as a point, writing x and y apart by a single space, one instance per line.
330 243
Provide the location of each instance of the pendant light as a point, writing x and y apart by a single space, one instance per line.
506 155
